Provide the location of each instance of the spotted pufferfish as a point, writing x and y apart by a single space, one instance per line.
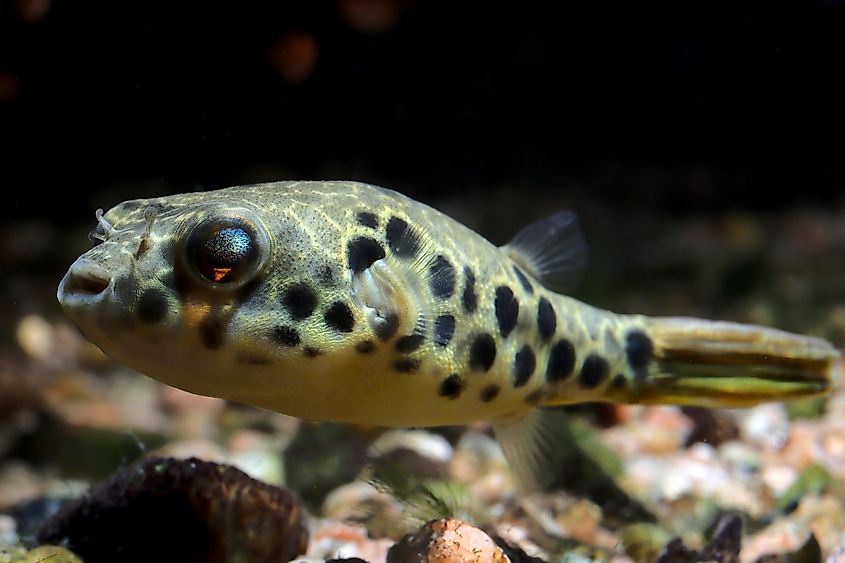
346 302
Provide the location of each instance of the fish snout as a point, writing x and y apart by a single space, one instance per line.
86 283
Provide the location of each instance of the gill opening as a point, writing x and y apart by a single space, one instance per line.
386 299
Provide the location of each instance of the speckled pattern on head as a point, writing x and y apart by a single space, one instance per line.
341 301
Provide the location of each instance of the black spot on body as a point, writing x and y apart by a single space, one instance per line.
402 240
507 310
469 298
300 301
451 387
524 365
534 397
546 319
365 347
639 349
211 332
406 365
482 352
385 328
339 317
618 381
442 278
523 280
367 219
489 393
286 335
444 329
594 371
311 352
152 306
410 343
362 252
561 361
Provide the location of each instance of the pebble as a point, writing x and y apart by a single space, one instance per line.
257 454
35 337
493 487
654 430
447 541
741 456
202 449
766 426
580 520
192 416
40 554
8 530
778 478
696 472
516 534
356 499
425 444
55 345
338 540
823 516
838 553
475 454
18 483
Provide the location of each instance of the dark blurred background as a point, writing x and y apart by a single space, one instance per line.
717 105
495 112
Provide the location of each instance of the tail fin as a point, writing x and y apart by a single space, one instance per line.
723 364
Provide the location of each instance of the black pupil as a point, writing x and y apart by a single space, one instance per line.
225 254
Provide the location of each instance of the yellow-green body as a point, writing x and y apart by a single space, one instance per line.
330 301
310 225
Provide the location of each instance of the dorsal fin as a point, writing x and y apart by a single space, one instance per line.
553 250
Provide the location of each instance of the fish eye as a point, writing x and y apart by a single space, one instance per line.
225 251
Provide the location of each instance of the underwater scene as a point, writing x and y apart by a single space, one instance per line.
404 281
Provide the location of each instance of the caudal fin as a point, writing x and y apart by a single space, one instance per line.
724 364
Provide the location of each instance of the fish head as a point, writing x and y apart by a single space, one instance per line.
205 290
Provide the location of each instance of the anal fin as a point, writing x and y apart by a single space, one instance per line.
545 453
536 445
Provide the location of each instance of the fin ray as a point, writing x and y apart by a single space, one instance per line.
544 453
535 444
725 364
553 250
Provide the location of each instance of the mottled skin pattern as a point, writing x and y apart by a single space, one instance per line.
364 307
248 345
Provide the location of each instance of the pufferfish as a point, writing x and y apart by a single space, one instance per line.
346 302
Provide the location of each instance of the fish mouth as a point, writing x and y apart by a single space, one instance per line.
85 283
